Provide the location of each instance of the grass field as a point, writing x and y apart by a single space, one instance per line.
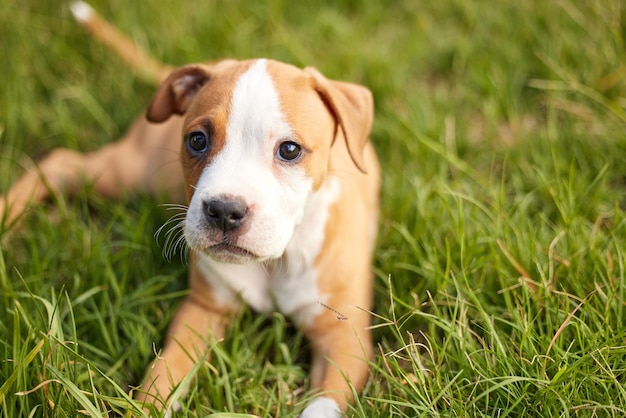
500 264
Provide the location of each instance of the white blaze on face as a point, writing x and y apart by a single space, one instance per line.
246 167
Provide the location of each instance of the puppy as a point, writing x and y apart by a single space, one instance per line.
282 189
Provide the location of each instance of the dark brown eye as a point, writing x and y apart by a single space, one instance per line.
197 142
288 151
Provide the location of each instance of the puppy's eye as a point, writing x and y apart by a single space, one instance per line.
197 142
288 151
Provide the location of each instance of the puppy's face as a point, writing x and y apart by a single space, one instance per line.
255 145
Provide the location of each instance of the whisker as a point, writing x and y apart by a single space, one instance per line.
265 268
174 236
184 253
173 206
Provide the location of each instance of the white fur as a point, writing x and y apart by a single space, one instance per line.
289 283
322 408
234 282
295 284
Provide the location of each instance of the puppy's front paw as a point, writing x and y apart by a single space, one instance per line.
322 408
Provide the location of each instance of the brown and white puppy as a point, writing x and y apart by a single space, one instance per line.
282 189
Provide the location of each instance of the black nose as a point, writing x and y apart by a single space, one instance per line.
225 213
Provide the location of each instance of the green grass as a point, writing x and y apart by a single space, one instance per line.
501 261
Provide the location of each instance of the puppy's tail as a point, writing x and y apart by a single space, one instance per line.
146 67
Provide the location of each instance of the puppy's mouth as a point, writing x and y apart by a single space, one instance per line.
229 253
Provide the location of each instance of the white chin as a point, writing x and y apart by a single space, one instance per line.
230 258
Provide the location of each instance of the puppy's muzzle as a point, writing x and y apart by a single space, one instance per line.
225 213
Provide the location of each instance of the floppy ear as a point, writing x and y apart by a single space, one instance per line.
353 109
177 92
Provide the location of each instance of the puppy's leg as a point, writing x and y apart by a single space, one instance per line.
198 319
146 158
342 347
185 345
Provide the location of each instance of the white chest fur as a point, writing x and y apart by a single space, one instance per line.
288 284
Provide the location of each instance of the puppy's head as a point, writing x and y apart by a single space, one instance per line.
256 143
